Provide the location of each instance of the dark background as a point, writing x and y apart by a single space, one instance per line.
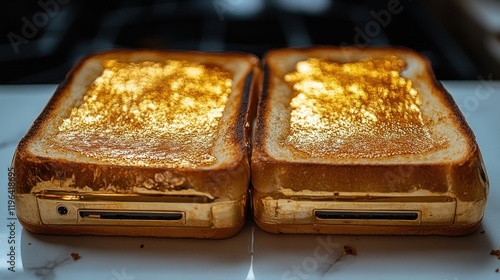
41 40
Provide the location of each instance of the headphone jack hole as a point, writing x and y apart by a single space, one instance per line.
62 210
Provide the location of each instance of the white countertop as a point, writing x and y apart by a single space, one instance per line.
274 256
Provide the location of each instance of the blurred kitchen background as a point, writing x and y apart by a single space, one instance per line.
42 39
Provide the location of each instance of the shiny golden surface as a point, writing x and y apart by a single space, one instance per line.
363 109
149 113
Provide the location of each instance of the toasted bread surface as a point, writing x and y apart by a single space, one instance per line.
284 107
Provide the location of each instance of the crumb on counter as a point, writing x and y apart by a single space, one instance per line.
75 256
349 250
495 253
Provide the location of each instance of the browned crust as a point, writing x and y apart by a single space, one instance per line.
229 182
369 230
173 232
262 111
464 126
367 177
254 82
31 169
436 178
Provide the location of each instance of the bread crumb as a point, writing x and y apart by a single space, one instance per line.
495 253
349 250
29 243
75 256
497 270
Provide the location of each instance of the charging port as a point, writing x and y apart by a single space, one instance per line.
151 216
364 215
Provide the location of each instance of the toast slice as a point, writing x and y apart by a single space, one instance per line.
362 141
150 143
